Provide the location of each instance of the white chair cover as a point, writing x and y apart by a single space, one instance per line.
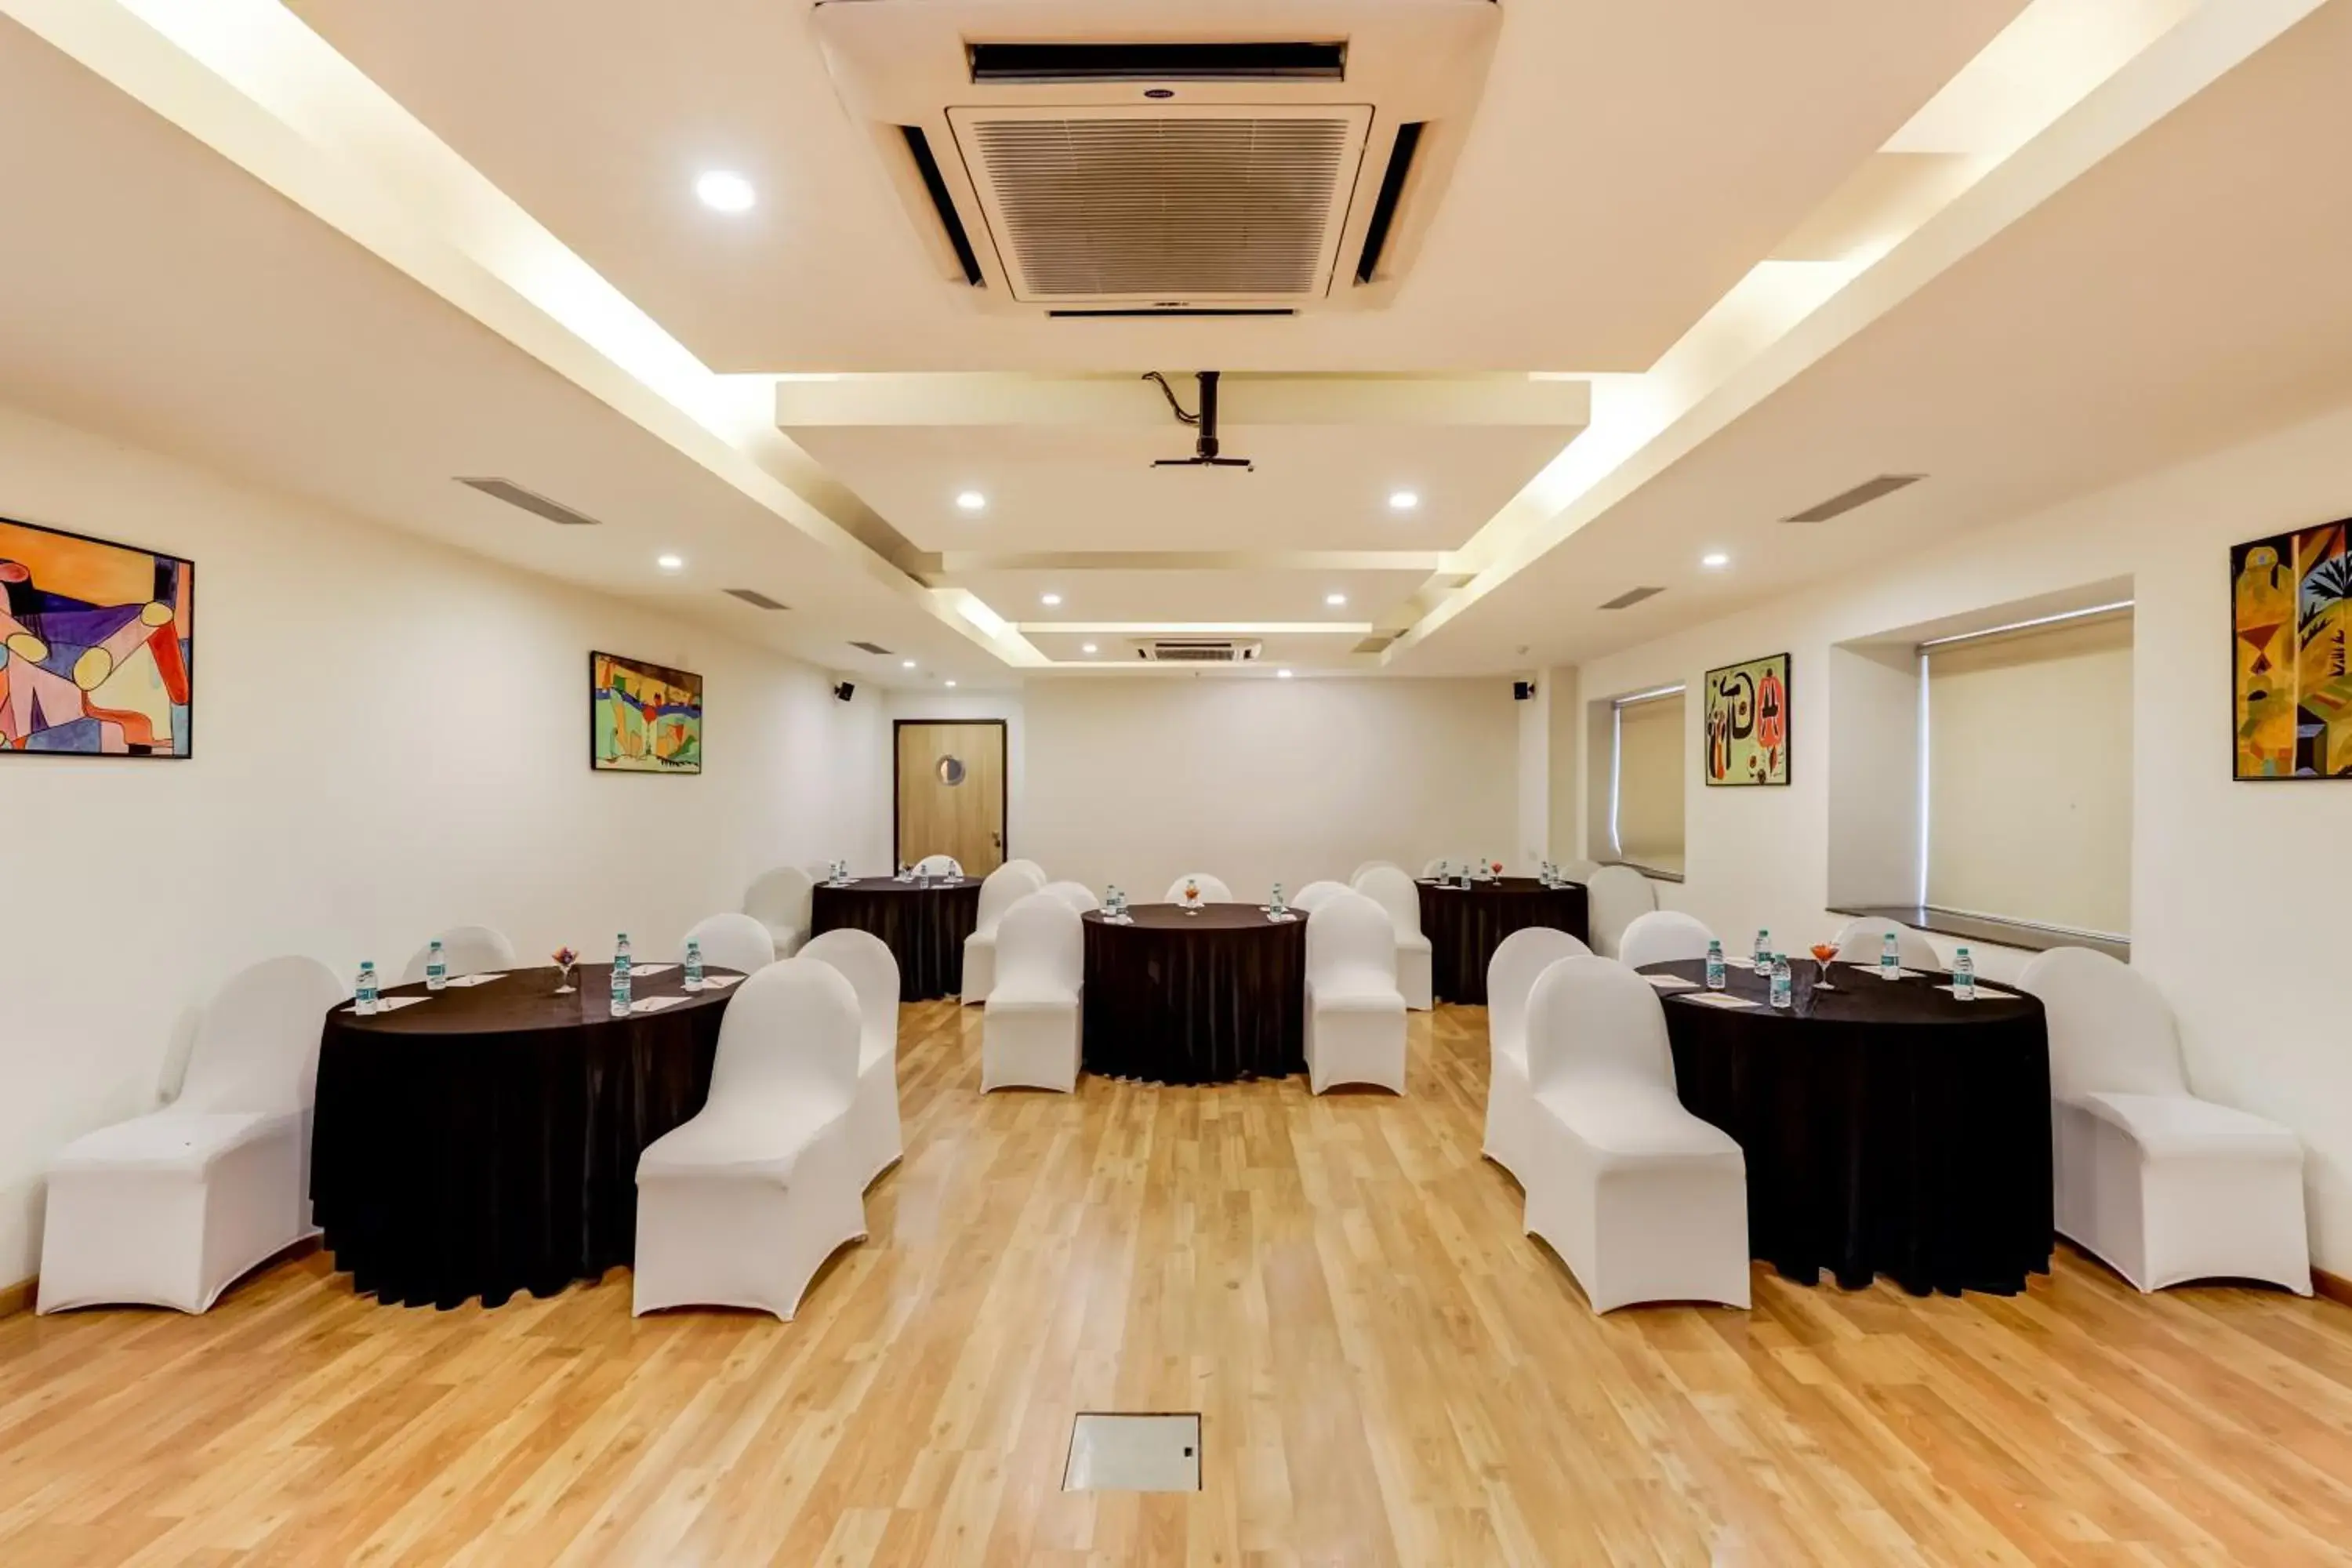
1358 874
865 961
732 941
2165 1187
1663 936
1860 939
938 866
167 1209
1511 975
1078 895
1614 897
999 891
1579 870
738 1207
1315 895
469 949
1355 1014
1029 1029
1395 892
1642 1200
1213 890
780 901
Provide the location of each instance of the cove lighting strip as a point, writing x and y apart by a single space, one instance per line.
2057 619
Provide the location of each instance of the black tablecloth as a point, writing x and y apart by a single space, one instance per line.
923 927
1198 998
1889 1127
1464 927
485 1140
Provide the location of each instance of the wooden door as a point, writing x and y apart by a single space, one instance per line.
952 792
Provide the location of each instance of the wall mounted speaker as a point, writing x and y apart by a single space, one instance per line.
1521 691
845 692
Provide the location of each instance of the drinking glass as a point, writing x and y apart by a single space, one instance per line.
1824 952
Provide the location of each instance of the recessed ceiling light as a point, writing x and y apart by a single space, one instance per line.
1088 648
1049 600
905 664
670 562
1335 600
1715 558
725 191
971 501
1282 674
1403 501
950 683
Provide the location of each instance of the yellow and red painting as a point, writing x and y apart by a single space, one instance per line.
1746 715
643 718
2291 633
97 647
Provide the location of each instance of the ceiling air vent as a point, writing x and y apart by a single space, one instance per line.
754 597
1630 597
873 647
1197 650
1070 157
530 501
1862 494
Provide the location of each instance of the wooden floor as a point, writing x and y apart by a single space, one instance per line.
1388 1370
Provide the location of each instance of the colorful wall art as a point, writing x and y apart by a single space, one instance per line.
1746 718
643 719
2291 626
97 647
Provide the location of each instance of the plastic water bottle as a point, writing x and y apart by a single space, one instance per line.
1890 958
364 990
1780 989
1964 976
1279 907
1763 953
437 967
620 976
693 963
1713 965
923 875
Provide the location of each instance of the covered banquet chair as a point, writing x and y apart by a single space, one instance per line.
1212 890
1355 875
999 891
1860 940
732 941
1315 895
1519 961
1615 896
1355 1016
468 949
1579 870
867 962
1663 936
2165 1186
1642 1200
1029 1031
740 1204
1078 895
168 1208
780 901
938 866
1394 891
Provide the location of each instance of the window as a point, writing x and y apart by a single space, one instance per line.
2027 771
1646 780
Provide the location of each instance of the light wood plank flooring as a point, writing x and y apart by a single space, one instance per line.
1388 1370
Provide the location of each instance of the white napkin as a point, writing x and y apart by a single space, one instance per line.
651 968
1738 963
1719 999
474 979
1982 990
390 1003
1282 919
653 1003
720 982
1671 983
1899 974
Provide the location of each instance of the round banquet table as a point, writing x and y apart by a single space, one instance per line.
485 1141
1195 998
1464 926
1889 1128
924 928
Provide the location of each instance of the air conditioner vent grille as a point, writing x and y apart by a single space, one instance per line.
1631 596
1171 207
1197 650
754 597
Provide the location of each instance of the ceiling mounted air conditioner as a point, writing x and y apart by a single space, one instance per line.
1070 158
1197 650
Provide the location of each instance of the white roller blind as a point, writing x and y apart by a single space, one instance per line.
1649 816
2030 776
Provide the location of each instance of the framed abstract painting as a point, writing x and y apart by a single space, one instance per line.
1746 722
2291 651
643 718
97 647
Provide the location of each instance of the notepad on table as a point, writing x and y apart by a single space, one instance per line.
1982 990
1671 983
720 982
474 979
1718 999
390 1003
651 968
653 1003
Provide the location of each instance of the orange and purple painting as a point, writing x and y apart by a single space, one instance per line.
2291 616
643 718
97 647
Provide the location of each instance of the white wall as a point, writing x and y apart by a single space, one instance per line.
1137 780
2236 911
390 738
